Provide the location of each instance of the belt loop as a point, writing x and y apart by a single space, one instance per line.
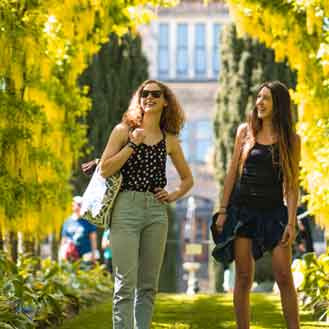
148 198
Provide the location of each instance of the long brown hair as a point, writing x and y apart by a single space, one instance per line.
283 126
172 117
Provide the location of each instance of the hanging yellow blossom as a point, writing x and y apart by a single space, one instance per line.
45 46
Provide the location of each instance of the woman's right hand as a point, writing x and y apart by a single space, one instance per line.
89 167
221 218
137 136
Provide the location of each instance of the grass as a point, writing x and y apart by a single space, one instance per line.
198 312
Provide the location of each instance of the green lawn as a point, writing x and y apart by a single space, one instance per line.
199 312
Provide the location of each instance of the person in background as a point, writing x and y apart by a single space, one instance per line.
304 239
79 237
107 252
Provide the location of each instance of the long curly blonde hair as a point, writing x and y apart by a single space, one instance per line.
172 118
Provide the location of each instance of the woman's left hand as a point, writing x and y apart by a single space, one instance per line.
161 194
289 235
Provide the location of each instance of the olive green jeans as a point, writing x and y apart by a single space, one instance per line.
138 233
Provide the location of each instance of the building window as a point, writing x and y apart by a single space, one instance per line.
182 52
199 230
163 51
204 140
216 50
200 58
200 54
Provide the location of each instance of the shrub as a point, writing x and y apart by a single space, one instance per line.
35 297
311 274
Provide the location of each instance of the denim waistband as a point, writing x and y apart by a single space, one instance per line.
138 194
144 199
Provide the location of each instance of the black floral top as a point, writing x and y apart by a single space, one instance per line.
146 168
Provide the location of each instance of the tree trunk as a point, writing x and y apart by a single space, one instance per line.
37 248
1 242
28 246
54 246
10 245
37 252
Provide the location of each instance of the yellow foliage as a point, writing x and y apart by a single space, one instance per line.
45 46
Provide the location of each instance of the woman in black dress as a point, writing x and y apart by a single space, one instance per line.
258 206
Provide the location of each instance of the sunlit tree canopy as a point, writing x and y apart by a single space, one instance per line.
45 46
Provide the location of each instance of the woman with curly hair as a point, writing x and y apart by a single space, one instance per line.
258 206
138 147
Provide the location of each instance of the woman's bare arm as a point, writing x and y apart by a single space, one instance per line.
116 152
233 168
293 192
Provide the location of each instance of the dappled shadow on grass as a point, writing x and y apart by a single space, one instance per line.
266 312
198 312
216 312
94 317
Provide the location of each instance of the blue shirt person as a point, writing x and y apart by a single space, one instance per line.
107 250
78 236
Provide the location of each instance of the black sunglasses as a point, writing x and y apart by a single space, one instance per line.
153 93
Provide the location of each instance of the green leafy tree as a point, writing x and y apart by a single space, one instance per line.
46 45
245 64
114 74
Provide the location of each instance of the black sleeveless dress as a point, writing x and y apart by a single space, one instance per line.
260 184
256 209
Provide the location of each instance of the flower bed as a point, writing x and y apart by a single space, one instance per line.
36 295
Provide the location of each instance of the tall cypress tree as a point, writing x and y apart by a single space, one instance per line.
114 74
245 64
